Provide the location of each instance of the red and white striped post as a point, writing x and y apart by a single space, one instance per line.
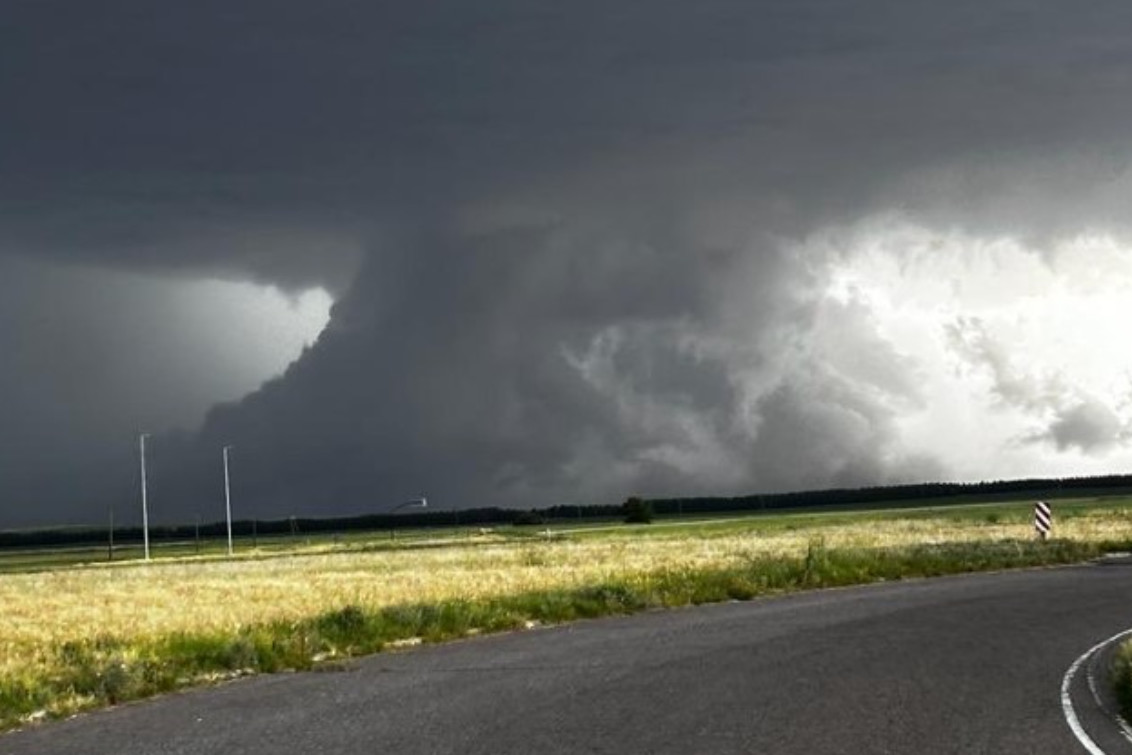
1043 519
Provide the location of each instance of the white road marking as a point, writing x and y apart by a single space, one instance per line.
1067 703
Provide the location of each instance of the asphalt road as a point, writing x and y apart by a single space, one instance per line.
969 664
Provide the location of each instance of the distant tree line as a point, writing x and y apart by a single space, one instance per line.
880 496
895 495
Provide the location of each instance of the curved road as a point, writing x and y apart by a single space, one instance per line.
970 664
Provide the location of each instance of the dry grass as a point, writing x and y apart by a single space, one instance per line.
138 602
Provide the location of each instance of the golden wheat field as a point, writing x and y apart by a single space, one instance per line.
41 611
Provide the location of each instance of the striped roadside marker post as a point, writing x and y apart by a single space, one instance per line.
1043 519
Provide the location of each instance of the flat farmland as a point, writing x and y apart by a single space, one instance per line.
77 636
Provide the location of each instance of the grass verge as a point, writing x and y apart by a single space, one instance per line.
107 669
1122 679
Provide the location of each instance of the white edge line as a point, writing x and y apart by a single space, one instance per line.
1067 703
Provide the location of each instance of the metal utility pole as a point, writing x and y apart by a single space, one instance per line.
228 498
145 502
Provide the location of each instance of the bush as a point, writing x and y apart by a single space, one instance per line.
637 511
1122 678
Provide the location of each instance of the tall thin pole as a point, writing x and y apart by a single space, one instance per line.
145 502
228 499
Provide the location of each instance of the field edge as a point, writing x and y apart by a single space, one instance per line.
108 670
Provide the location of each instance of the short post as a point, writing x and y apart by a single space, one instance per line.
1043 519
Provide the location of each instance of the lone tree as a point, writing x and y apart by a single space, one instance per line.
637 511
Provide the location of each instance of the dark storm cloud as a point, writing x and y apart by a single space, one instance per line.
565 238
131 124
453 373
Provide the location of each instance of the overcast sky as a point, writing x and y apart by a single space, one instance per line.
526 253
